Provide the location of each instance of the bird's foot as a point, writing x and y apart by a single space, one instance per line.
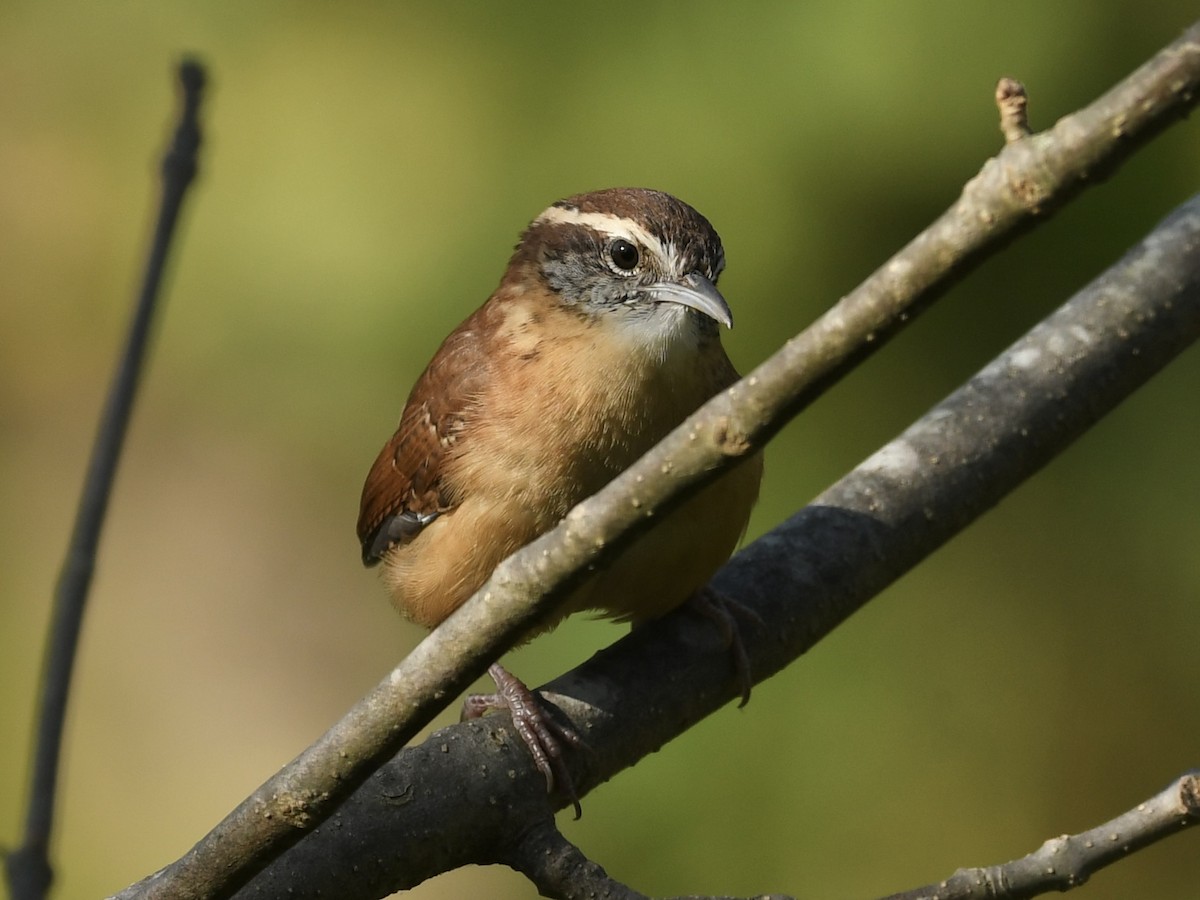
724 612
544 736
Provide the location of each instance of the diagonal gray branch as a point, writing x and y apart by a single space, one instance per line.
468 793
1066 862
1026 181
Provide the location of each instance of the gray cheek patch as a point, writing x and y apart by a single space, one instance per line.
586 283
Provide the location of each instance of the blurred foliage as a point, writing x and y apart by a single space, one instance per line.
367 168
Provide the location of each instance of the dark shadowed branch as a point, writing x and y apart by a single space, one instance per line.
558 868
802 578
1023 184
28 866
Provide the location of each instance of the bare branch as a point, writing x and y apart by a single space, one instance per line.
28 867
1025 182
1067 862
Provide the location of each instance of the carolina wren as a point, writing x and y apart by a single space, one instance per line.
601 338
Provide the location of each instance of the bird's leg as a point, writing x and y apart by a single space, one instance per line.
537 728
723 612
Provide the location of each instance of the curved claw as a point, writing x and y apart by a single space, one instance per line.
540 732
723 611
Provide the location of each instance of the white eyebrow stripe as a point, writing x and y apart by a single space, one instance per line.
605 223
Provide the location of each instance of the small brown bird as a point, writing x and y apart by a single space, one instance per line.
601 338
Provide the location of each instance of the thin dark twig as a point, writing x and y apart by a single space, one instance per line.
28 867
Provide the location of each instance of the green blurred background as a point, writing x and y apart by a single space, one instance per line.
367 168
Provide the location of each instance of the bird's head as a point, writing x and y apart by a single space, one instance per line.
640 260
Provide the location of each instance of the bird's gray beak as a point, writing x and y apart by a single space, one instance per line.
696 291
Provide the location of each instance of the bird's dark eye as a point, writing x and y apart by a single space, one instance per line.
623 254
